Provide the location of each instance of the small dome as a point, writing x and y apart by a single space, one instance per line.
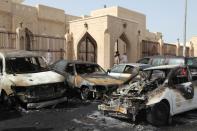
18 1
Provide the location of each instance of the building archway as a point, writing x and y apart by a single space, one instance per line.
87 49
122 45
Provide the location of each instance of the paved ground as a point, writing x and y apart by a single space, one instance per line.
78 116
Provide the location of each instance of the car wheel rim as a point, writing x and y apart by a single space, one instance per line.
84 93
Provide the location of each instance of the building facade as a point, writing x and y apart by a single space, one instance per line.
93 38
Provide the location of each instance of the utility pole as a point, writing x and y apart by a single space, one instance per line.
185 30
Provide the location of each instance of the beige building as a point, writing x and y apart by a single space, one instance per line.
92 38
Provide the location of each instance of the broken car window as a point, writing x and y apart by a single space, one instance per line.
144 61
89 69
181 76
118 69
70 69
24 65
128 69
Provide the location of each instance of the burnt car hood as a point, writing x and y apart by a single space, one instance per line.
98 79
40 78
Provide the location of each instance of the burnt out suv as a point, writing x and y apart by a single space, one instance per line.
88 79
26 79
168 60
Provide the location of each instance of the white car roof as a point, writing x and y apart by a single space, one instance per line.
163 67
8 53
134 64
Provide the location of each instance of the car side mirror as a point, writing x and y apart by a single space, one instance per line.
108 71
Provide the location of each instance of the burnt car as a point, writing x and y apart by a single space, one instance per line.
159 92
89 79
124 71
25 79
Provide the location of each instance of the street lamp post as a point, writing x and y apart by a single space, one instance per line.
185 29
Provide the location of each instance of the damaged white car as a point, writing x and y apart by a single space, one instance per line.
159 92
25 79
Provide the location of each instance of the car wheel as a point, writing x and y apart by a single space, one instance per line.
85 93
5 100
158 115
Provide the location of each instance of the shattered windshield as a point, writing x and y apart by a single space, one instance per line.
89 69
21 65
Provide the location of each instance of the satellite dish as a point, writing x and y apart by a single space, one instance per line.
18 1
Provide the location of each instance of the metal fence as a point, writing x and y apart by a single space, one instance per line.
48 46
169 49
149 48
7 40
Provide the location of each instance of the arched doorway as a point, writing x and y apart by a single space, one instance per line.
122 46
87 49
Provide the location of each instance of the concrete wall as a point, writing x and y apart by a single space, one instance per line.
42 19
133 16
193 40
25 14
50 13
151 36
105 11
6 6
124 14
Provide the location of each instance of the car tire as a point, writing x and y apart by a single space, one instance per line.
159 114
85 91
5 100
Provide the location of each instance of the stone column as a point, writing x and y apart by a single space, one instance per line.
108 51
191 49
20 37
177 47
69 46
160 50
139 45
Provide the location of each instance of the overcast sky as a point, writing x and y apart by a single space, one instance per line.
166 16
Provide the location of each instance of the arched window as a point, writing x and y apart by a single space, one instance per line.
87 49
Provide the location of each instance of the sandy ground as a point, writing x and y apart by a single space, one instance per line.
83 116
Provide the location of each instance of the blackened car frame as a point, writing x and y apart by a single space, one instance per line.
88 79
26 80
160 92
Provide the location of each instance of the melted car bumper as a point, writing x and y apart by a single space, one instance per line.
115 109
46 103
